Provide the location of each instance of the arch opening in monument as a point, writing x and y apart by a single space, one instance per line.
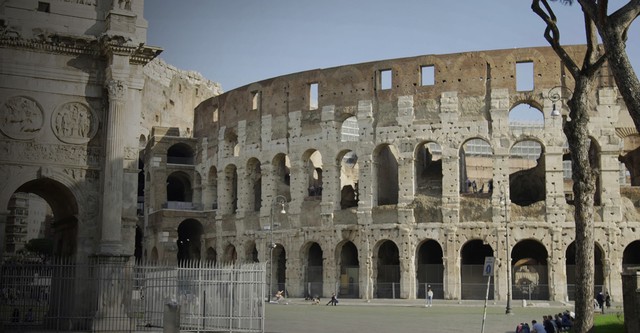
598 258
387 270
313 275
473 281
430 269
190 233
530 276
349 270
349 177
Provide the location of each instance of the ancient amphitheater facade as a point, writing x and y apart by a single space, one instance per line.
378 179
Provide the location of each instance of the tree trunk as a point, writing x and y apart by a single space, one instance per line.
584 179
621 68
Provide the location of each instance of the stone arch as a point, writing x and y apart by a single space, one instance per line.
348 269
312 160
280 268
428 168
347 160
527 114
282 175
527 176
64 223
179 187
230 146
154 255
212 255
630 156
349 130
530 279
251 252
312 264
387 269
631 255
598 258
230 189
386 175
476 155
180 153
190 234
472 255
254 185
430 268
230 254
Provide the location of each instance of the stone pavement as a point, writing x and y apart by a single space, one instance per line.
398 316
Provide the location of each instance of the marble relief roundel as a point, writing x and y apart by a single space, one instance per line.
74 123
21 118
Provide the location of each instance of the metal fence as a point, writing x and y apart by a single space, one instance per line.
96 296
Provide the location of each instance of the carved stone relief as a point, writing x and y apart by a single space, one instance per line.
21 118
74 123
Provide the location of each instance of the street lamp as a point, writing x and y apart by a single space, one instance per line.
503 200
278 200
557 93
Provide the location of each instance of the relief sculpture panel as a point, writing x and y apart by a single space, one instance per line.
21 118
74 123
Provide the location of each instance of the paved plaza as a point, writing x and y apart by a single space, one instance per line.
400 316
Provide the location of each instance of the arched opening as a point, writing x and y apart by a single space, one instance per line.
41 221
349 130
386 173
230 145
571 270
179 190
527 173
388 270
525 117
630 161
282 176
349 271
428 169
313 168
154 255
313 273
251 252
180 153
230 189
212 255
430 269
530 279
142 141
230 255
474 285
476 169
631 255
280 267
349 178
254 184
189 235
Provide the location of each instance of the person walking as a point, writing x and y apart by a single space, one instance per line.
334 300
429 297
600 300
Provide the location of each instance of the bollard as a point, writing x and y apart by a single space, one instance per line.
171 318
524 303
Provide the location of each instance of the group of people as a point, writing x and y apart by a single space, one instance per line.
562 322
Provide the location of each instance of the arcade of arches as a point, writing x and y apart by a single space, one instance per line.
386 191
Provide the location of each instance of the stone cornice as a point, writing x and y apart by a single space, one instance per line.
139 54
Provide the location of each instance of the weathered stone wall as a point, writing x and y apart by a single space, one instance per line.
470 98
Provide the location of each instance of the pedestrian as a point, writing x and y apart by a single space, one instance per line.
600 300
429 297
607 299
334 300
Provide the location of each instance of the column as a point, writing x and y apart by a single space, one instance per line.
111 227
451 261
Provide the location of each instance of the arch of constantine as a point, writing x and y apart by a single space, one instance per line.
394 175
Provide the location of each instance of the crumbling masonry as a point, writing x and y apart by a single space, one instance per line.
397 174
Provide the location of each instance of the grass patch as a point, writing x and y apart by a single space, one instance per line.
609 323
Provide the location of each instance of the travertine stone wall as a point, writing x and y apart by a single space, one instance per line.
256 125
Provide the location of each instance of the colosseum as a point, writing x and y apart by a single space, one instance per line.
376 180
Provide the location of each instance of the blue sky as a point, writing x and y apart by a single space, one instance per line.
236 42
